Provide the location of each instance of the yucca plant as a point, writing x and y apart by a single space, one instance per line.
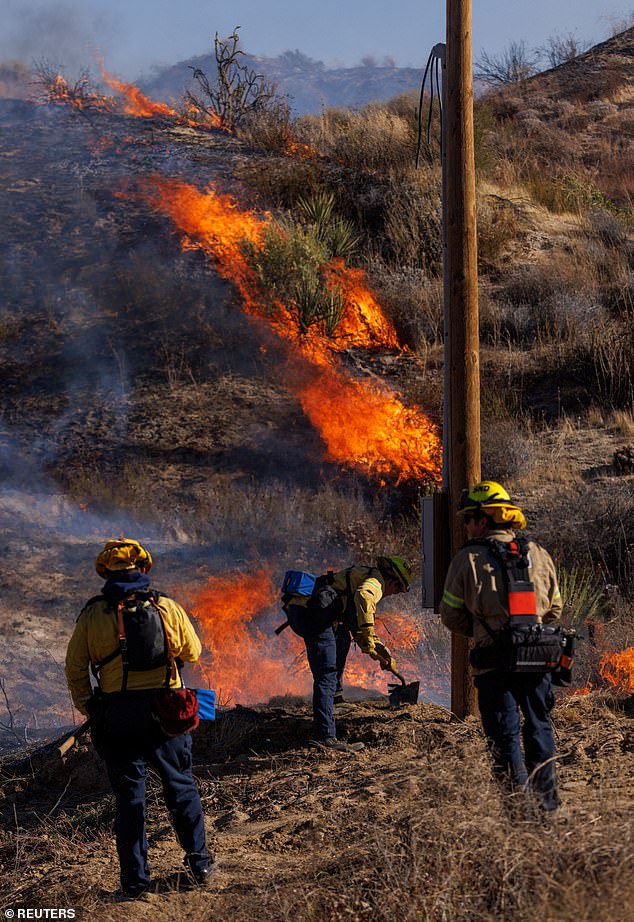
337 234
582 594
318 208
315 303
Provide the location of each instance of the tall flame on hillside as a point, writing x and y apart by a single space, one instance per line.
246 663
364 425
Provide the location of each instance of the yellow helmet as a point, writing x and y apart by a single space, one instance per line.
397 567
125 554
490 497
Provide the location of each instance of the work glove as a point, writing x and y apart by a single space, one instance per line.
366 639
385 658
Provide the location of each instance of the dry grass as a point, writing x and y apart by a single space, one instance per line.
374 140
412 301
622 423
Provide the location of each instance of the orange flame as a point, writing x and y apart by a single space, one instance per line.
363 323
136 102
367 426
618 669
247 663
364 425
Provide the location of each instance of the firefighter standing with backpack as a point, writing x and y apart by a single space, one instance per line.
341 608
131 637
497 580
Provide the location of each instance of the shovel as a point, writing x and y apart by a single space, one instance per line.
404 693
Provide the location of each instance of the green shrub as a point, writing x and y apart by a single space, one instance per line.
336 234
289 265
582 594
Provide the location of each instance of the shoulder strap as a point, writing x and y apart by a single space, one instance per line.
513 555
515 561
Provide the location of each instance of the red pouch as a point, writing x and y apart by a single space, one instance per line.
176 710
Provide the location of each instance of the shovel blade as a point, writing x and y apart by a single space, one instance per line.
403 694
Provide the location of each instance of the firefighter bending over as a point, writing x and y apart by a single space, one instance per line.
342 607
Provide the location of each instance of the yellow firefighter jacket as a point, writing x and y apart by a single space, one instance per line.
475 590
96 636
367 587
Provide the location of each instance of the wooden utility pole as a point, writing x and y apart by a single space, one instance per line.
462 377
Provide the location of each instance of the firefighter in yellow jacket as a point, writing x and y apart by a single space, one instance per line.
131 665
475 603
349 601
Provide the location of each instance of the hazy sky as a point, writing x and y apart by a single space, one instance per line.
133 35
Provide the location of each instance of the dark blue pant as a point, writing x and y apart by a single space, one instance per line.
501 698
327 651
172 759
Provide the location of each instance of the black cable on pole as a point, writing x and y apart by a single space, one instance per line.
434 86
420 107
438 67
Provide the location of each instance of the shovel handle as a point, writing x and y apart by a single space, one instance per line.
398 676
70 740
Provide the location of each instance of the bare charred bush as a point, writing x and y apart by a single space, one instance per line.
514 64
237 92
78 93
559 49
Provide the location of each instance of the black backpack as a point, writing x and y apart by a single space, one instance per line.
142 638
523 645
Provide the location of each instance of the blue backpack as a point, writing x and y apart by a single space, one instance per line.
298 582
